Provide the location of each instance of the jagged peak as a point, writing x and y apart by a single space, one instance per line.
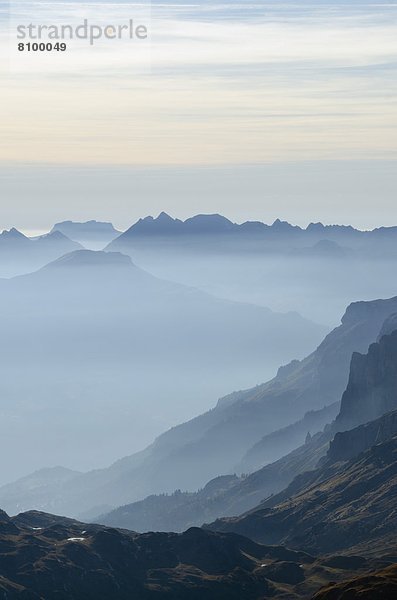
14 234
163 216
279 225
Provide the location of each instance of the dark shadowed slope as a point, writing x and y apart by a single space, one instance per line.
44 557
379 585
347 504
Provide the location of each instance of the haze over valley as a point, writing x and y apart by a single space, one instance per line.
280 425
94 343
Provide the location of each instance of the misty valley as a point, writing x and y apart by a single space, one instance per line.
168 434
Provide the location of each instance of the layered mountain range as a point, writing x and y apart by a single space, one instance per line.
188 456
295 479
215 225
316 271
333 528
232 495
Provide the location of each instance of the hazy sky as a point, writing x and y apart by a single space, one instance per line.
272 110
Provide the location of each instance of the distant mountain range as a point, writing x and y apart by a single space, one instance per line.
206 224
317 270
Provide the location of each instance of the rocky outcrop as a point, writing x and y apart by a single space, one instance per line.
349 444
372 387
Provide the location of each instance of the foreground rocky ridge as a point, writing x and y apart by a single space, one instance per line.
44 557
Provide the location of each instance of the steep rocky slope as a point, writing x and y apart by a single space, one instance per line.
188 456
371 392
344 505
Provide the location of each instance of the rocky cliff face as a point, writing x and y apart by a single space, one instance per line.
372 386
348 444
349 500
